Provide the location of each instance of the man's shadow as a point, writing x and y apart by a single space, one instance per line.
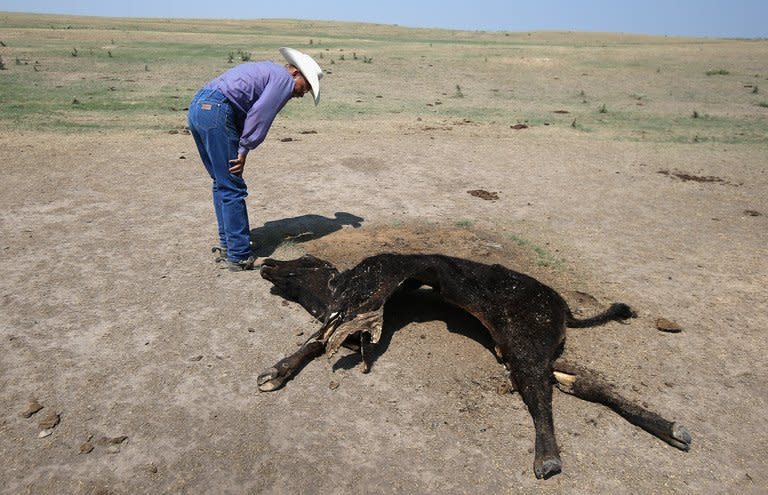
268 237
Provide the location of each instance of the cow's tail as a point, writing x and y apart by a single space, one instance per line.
617 311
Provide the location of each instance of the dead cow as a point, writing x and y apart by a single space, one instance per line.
525 318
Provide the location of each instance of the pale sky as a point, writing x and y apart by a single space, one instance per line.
710 18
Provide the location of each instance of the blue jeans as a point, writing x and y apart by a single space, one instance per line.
214 126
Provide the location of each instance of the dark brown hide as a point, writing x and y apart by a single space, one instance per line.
525 318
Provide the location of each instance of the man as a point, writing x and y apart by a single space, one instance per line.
230 116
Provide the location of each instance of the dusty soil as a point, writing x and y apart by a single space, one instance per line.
115 317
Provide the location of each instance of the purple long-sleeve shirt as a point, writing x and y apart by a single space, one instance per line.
259 90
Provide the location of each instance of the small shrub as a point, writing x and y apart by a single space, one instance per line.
459 93
74 52
603 109
755 90
2 64
367 60
763 104
717 72
695 114
464 223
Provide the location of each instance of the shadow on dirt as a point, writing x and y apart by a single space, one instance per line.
421 306
304 228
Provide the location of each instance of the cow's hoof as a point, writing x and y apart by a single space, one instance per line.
270 380
547 467
680 437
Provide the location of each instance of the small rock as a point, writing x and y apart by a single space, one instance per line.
196 358
333 385
152 468
45 433
483 194
504 388
86 448
113 449
32 408
112 440
49 422
666 325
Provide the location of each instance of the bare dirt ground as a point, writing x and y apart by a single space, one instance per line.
115 317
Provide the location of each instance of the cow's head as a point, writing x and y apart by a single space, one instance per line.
303 280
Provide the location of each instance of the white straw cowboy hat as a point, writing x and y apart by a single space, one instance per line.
308 68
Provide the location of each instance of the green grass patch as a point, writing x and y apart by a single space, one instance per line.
464 223
543 257
141 74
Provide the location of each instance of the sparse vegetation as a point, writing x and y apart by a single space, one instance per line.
119 86
763 104
717 72
544 257
464 223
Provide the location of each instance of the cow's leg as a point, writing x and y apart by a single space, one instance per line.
366 351
275 377
587 385
533 380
